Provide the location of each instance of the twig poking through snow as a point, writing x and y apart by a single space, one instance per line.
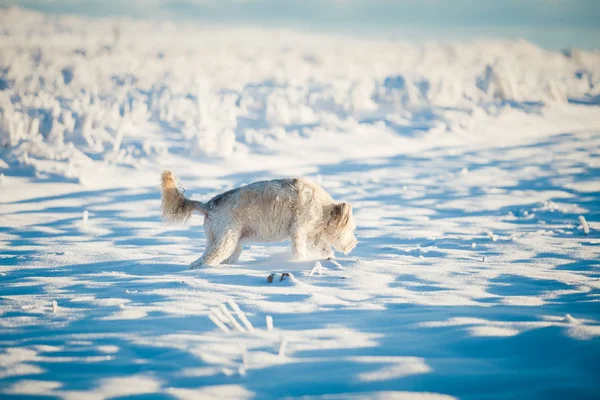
216 311
218 323
334 262
54 306
269 323
236 325
287 275
244 367
118 140
245 357
283 347
317 268
584 224
240 315
84 222
571 320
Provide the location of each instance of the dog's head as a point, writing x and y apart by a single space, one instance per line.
340 229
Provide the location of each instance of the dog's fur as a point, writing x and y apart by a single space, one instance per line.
266 211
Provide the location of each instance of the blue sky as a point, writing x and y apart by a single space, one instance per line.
553 24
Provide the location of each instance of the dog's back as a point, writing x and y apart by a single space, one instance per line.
264 192
265 209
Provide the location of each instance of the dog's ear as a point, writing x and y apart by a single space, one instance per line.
340 217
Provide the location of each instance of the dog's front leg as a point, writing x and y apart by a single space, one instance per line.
298 245
322 247
327 251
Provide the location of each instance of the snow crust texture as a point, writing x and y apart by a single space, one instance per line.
473 170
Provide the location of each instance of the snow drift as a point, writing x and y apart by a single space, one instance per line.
76 91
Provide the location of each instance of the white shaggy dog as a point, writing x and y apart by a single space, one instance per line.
267 211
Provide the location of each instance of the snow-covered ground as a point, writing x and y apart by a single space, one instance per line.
468 165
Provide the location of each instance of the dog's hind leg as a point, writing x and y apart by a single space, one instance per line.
232 259
218 250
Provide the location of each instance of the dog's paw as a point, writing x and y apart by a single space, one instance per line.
197 264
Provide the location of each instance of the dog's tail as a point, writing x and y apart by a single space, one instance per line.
175 206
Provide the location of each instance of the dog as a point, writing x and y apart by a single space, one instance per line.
265 211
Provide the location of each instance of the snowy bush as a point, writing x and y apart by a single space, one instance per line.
73 89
